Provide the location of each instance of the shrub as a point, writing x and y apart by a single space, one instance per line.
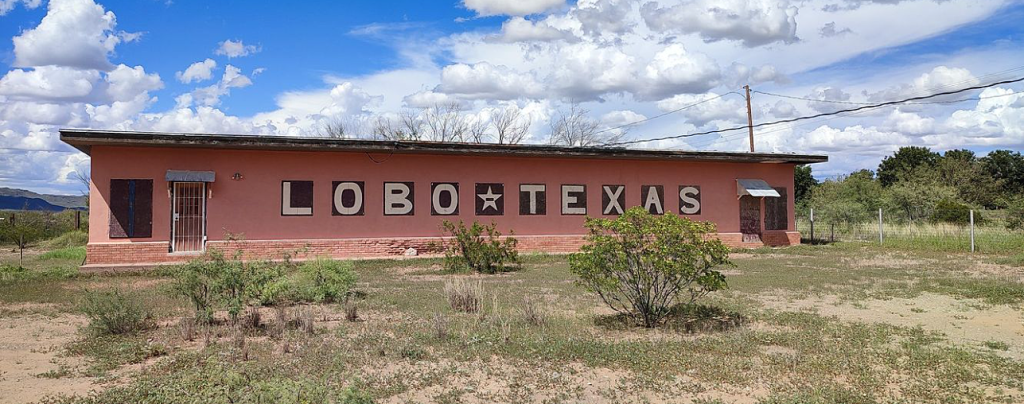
641 264
114 312
197 282
1015 215
323 280
215 281
950 211
478 248
464 296
65 253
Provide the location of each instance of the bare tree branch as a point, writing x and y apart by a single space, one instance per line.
508 126
574 128
446 123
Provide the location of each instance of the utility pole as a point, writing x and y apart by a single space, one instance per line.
750 119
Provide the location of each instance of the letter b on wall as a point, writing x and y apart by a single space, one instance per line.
398 197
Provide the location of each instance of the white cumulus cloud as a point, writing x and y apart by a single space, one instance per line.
198 71
236 49
511 7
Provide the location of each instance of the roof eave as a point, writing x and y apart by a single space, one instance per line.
84 139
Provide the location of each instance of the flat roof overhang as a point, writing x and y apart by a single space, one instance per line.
85 139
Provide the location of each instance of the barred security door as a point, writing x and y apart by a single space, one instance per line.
188 216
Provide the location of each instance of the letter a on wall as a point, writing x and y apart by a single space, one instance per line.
444 198
490 199
653 197
296 198
398 197
348 198
613 198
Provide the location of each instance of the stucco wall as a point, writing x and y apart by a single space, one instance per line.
251 207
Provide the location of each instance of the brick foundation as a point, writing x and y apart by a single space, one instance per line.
113 255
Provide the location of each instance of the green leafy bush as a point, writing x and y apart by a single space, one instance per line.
323 280
215 280
950 211
641 264
479 248
114 312
1015 215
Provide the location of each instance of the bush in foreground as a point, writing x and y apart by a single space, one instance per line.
114 312
479 248
641 264
216 282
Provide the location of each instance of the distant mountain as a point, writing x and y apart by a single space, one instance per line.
16 199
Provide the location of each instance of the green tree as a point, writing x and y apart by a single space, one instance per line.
25 230
961 170
640 264
803 182
847 200
1006 166
905 160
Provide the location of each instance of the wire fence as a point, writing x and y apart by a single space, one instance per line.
988 237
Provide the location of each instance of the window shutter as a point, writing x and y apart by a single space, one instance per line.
142 209
131 208
777 211
119 208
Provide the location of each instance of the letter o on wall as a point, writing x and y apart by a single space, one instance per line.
348 198
444 198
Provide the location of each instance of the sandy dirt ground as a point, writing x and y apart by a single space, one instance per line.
31 345
964 321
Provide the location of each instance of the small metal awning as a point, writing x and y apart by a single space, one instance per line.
757 188
189 176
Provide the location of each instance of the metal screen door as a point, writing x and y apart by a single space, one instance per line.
750 219
188 216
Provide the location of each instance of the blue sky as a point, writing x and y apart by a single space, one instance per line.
119 65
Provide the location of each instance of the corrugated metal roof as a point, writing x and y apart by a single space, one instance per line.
755 187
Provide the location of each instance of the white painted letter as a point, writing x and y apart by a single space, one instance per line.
569 198
453 203
339 203
286 202
690 197
613 199
652 200
532 189
397 198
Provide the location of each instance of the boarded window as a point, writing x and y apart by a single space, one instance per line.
776 215
131 208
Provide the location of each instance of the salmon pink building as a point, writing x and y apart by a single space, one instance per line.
159 198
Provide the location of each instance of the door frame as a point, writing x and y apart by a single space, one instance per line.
174 213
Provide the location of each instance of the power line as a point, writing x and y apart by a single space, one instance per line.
872 103
802 118
666 113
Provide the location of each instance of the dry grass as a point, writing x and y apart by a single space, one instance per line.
464 296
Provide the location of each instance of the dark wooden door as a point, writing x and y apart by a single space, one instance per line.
750 219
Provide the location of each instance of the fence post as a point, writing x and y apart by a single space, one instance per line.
832 237
881 237
972 230
812 225
78 220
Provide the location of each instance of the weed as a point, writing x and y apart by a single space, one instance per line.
66 253
531 312
115 312
464 296
997 345
440 324
351 312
